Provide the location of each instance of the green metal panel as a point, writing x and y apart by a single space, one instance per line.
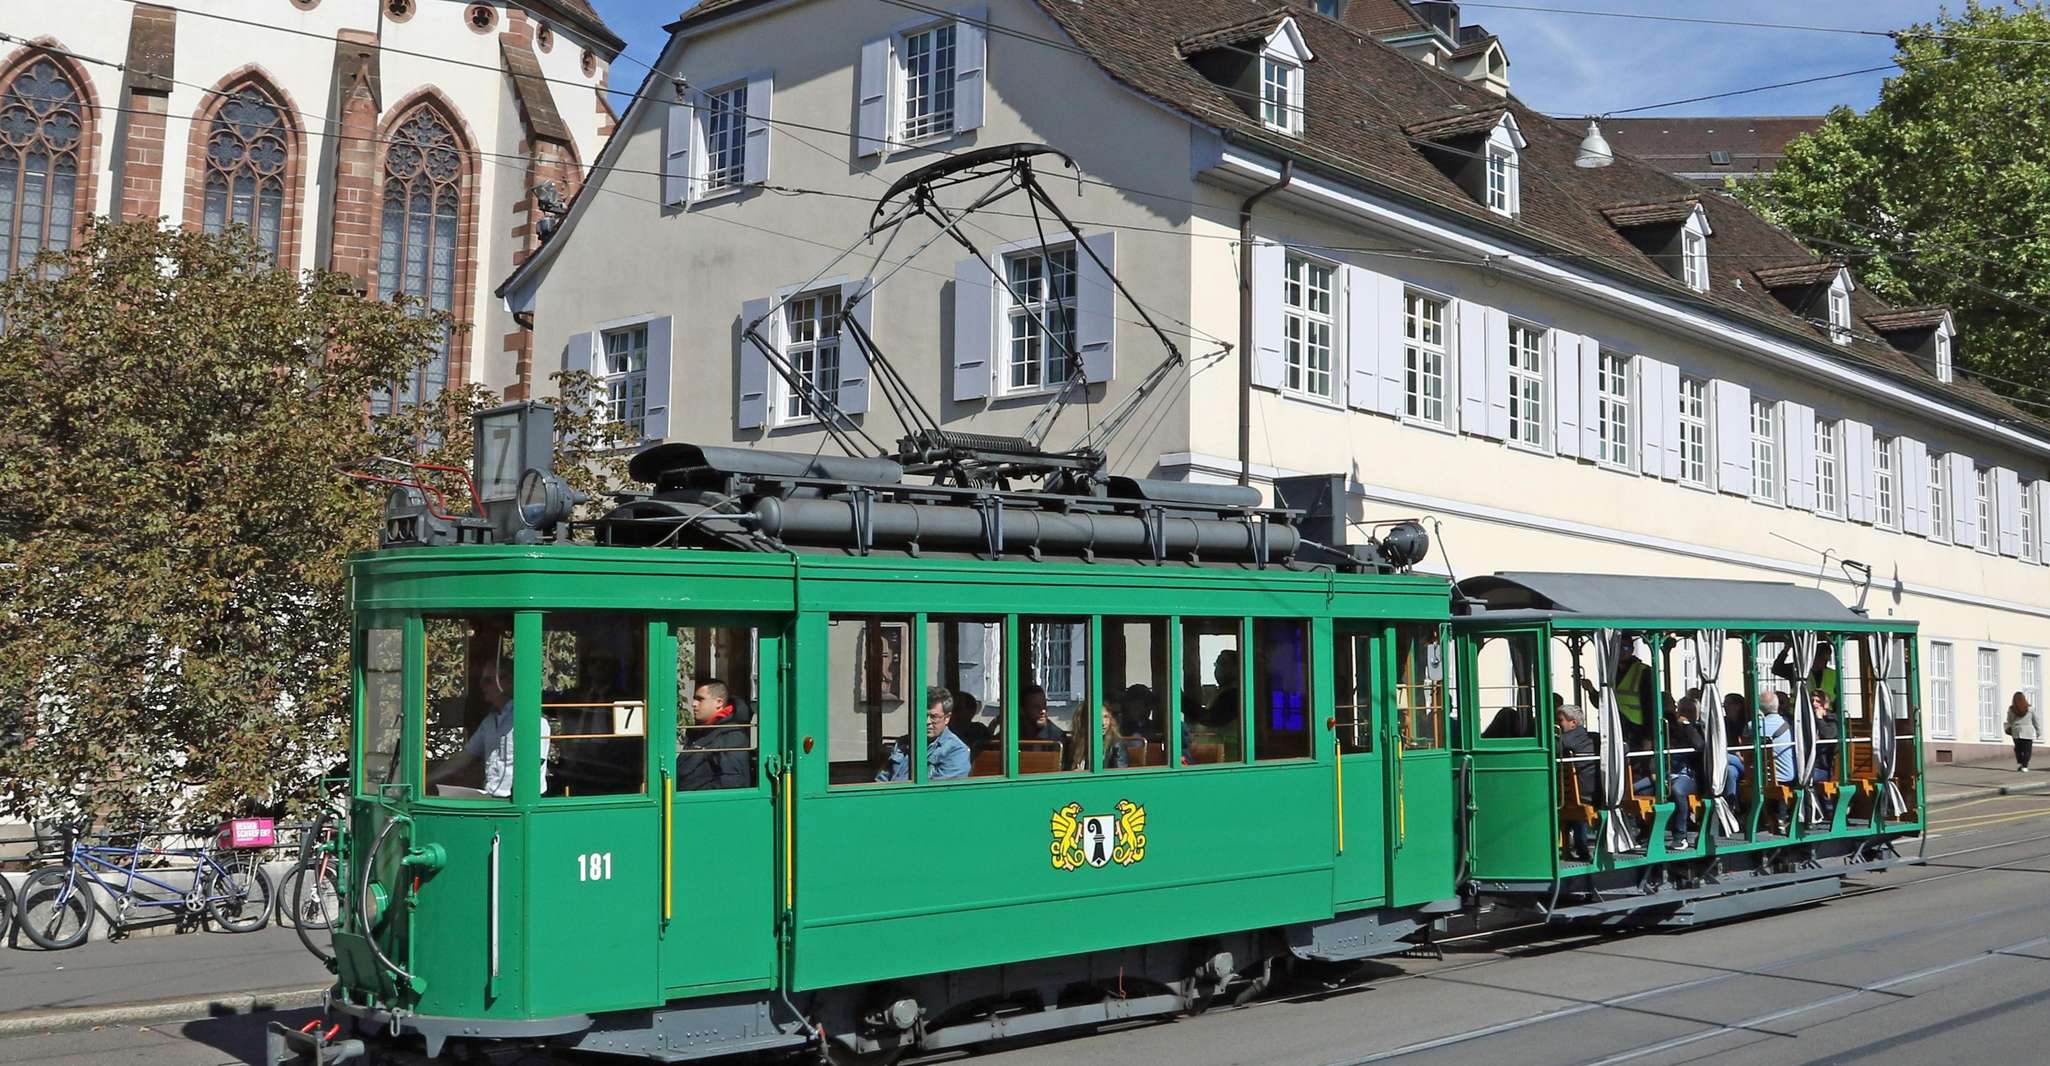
451 947
592 897
1360 870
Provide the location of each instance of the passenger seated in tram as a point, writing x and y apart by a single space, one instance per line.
492 741
717 748
1576 742
945 755
1138 713
963 723
1116 746
1507 723
1684 744
1033 721
1821 674
1825 753
1736 718
1777 733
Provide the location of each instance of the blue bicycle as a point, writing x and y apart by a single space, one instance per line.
57 903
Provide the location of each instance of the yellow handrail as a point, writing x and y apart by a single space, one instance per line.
668 846
789 848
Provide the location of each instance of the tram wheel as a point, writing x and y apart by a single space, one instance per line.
834 1053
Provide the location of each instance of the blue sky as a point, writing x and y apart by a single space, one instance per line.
1576 64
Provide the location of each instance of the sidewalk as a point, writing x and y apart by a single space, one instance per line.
155 977
1961 781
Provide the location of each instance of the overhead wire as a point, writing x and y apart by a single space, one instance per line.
1698 20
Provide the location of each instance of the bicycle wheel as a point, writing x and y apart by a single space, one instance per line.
56 909
6 907
309 897
238 894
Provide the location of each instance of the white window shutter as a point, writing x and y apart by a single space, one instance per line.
752 410
1668 405
576 354
1096 306
2041 489
1797 451
676 144
754 163
971 60
1270 265
1565 397
873 121
974 300
1497 327
2007 503
1964 499
1858 473
1388 297
854 370
1649 415
1472 360
1590 399
1361 337
661 335
1732 403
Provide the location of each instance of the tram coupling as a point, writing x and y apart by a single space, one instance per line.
313 1044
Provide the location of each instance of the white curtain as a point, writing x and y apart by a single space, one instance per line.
1715 762
1615 766
1879 652
1802 718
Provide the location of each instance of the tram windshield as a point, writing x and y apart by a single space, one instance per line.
468 740
383 692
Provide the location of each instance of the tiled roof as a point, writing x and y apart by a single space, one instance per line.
1382 16
1790 277
1473 48
1259 25
1665 212
1461 125
1361 97
530 88
580 14
707 8
1682 145
1907 318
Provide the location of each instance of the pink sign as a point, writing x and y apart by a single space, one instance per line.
251 833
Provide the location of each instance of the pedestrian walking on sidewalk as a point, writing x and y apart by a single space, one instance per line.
2025 725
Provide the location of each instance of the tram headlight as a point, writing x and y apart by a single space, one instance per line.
545 500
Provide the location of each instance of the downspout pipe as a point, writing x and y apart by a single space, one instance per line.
1246 353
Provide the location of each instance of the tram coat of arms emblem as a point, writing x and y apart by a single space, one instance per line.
1098 839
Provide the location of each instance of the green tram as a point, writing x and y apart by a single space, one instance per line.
788 752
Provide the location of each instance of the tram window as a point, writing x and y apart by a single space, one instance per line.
718 717
965 656
469 686
1281 688
1505 689
594 703
1055 684
384 704
1212 700
869 699
1352 656
1420 687
1134 679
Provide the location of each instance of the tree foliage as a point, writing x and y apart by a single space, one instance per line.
174 415
1940 194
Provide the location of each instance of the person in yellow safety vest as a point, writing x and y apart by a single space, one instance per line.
1822 673
1634 696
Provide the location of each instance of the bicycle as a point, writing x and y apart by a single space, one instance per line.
315 903
57 903
7 906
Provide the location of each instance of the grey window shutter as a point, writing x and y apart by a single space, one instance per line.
2007 503
1270 262
576 353
1096 307
1650 416
873 127
1964 499
1667 404
1361 337
971 60
1565 397
1797 449
1857 446
660 358
1496 325
754 162
1732 404
1388 331
676 152
753 409
1913 479
854 370
1471 359
1590 399
973 340
2041 494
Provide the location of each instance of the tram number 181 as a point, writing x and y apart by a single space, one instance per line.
595 866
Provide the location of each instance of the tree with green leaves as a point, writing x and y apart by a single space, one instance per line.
1940 194
174 418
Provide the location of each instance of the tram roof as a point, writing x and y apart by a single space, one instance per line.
1591 598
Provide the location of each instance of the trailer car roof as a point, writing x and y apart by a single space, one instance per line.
1591 597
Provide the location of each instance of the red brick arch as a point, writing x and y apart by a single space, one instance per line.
464 287
48 48
251 76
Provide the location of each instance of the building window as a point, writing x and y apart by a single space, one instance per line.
1328 8
1612 390
43 147
626 378
1982 481
928 69
1939 498
1307 296
2032 678
1281 95
2028 525
1840 314
1942 705
1042 298
1526 385
1423 357
418 251
1885 494
1693 430
1694 260
1499 199
812 326
1944 370
1828 497
247 153
725 138
1990 708
1765 479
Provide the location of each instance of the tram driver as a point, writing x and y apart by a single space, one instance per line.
492 741
945 755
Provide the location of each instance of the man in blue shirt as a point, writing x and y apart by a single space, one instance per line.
1776 733
945 755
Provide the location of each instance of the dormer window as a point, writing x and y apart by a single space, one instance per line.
1944 371
1674 233
1925 333
1694 258
1481 151
1840 308
1281 96
1501 180
1262 61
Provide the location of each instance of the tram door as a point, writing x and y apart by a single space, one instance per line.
1361 863
718 864
1417 665
1506 761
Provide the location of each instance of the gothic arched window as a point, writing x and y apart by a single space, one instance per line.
42 161
248 156
418 249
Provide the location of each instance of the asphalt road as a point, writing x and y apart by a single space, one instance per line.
1948 960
